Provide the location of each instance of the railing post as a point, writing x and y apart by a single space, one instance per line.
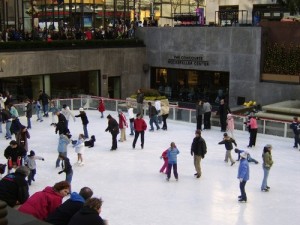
285 129
264 127
72 106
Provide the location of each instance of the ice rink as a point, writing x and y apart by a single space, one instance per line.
135 193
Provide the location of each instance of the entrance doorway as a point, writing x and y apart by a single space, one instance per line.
114 87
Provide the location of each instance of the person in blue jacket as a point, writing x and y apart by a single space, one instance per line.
243 176
63 214
172 161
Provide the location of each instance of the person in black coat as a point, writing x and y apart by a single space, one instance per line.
28 113
14 154
66 168
223 111
89 214
85 122
14 187
63 214
198 150
113 128
61 126
44 98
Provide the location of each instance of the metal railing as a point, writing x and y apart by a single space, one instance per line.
265 126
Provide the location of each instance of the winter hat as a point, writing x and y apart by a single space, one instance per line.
64 106
225 134
32 153
81 109
268 146
244 155
229 115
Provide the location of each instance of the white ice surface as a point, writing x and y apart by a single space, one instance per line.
135 193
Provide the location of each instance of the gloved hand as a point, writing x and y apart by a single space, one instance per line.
192 154
60 172
106 130
241 179
43 159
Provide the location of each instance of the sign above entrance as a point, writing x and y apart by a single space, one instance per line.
188 60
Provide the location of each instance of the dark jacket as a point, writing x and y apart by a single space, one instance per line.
44 98
152 111
228 143
199 147
15 126
66 166
5 115
113 126
29 110
140 98
14 153
86 216
61 126
83 117
63 214
13 188
295 126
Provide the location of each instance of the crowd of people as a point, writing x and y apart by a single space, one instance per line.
81 207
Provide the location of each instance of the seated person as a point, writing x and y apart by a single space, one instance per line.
90 143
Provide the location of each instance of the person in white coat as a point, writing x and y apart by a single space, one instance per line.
79 149
67 113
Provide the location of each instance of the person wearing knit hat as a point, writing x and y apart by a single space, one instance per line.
267 164
31 164
243 176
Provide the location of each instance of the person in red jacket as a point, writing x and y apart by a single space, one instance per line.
139 126
42 203
122 125
164 167
101 107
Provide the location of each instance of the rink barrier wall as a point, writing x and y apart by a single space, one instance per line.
265 126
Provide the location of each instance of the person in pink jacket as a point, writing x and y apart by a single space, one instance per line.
230 125
42 203
252 124
165 165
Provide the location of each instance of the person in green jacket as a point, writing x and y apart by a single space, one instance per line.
267 164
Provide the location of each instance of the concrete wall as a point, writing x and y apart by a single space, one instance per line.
124 62
236 50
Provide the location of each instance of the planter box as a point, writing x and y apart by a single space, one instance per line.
280 78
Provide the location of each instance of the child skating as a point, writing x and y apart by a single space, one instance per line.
164 167
227 141
79 149
31 164
172 161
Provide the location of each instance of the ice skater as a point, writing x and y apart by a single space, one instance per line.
249 158
243 176
164 156
172 161
228 141
79 149
31 164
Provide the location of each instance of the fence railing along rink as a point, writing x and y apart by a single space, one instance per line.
265 126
